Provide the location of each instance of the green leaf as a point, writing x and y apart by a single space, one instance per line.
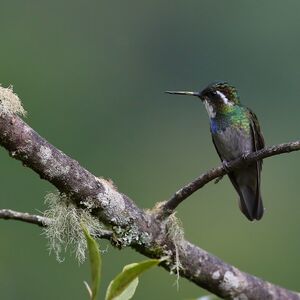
121 287
95 263
129 291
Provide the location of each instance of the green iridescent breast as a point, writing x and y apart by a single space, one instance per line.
233 116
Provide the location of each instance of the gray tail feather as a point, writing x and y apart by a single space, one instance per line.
251 203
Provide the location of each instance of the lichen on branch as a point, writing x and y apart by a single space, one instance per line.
10 103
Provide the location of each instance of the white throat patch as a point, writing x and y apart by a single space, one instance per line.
224 98
210 109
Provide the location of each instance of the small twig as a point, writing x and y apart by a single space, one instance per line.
170 205
8 214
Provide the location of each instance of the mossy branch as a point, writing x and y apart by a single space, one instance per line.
141 230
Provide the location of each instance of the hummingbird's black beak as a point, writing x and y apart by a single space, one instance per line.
183 93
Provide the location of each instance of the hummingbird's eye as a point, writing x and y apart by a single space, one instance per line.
211 94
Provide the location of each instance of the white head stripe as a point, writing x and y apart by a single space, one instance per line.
224 98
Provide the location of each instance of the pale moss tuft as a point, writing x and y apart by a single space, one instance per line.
65 229
175 229
176 234
10 102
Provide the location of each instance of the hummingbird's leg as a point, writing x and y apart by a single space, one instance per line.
245 154
225 166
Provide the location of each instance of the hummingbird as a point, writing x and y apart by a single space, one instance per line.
235 132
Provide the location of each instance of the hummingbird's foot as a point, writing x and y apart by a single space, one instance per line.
225 165
245 155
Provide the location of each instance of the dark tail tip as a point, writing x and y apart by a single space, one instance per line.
260 210
251 205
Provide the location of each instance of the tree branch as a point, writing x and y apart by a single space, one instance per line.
168 207
136 228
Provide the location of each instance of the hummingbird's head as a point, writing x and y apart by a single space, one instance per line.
217 97
220 93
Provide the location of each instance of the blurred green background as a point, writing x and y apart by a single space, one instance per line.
91 75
